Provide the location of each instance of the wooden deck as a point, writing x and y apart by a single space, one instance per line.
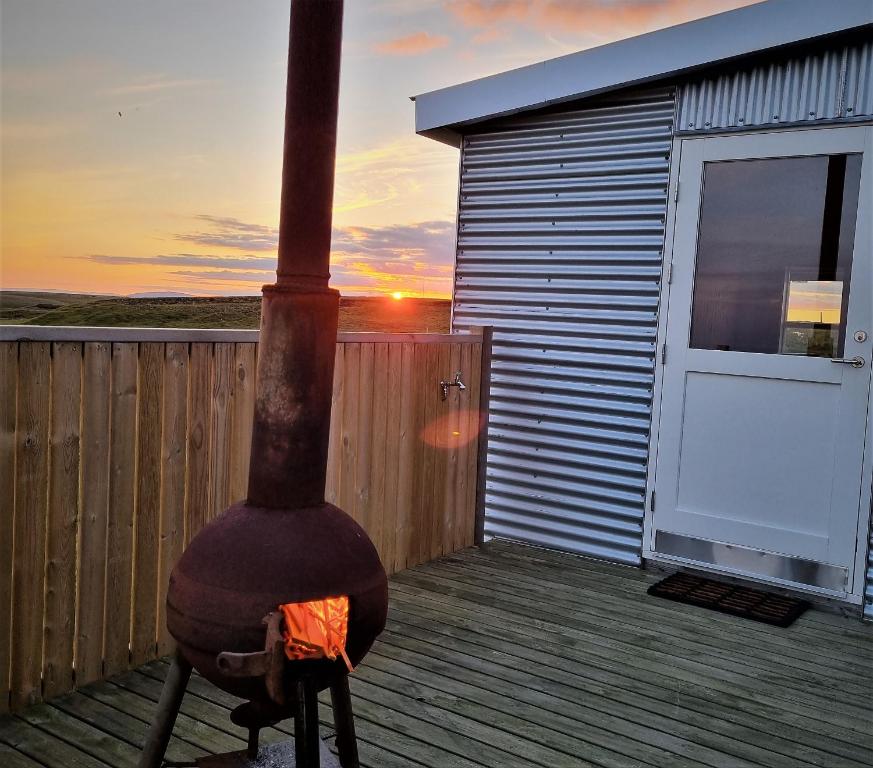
512 657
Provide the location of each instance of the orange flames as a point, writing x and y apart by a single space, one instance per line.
317 629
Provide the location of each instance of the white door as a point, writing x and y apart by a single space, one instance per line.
767 368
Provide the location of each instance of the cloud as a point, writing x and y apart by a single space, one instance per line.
482 13
226 232
392 173
416 258
265 263
419 240
412 45
599 19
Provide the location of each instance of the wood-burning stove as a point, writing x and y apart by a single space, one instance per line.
284 544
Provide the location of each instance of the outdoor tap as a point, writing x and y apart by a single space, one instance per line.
444 385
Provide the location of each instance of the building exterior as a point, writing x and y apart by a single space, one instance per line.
671 236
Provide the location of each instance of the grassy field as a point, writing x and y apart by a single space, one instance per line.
356 313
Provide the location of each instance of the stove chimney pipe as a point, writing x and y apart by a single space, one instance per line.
299 313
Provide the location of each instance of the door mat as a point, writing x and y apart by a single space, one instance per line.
727 598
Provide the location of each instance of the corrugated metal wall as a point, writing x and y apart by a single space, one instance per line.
826 85
560 239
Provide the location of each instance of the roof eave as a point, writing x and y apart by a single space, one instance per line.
443 114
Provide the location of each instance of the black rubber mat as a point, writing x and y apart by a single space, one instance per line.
727 598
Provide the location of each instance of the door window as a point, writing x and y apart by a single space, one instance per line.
774 255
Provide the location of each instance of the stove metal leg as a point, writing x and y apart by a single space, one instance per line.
344 721
168 707
252 745
313 739
307 743
299 725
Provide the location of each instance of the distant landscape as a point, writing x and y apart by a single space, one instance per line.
368 313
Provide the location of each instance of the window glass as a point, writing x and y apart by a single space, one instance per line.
774 255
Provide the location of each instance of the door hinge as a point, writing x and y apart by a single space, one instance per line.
652 502
669 275
676 193
664 353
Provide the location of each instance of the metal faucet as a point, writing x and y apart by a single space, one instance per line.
444 385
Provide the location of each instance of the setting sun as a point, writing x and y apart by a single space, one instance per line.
397 295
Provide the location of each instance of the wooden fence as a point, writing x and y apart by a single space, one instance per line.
117 445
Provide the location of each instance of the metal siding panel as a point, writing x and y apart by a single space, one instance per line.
825 85
868 595
560 242
859 80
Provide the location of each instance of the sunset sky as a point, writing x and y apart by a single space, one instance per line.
141 141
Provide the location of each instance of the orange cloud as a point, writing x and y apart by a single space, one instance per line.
413 45
482 13
608 18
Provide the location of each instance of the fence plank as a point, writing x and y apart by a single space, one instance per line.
454 440
63 512
334 451
173 456
441 437
197 498
378 437
243 414
95 509
148 501
428 407
31 500
405 521
363 458
122 505
464 474
419 519
351 367
476 422
8 395
391 459
220 433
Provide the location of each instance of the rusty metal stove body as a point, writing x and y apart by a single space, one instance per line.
284 544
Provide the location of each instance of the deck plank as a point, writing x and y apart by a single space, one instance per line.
728 636
631 643
83 736
824 625
117 716
513 656
799 640
44 748
602 680
12 758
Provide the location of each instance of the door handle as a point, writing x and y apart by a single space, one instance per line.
855 362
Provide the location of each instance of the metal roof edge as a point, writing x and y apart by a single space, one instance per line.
663 53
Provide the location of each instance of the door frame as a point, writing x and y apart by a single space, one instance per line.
854 593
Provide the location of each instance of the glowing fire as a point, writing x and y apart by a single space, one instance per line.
317 629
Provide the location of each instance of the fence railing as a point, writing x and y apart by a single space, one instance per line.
117 445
